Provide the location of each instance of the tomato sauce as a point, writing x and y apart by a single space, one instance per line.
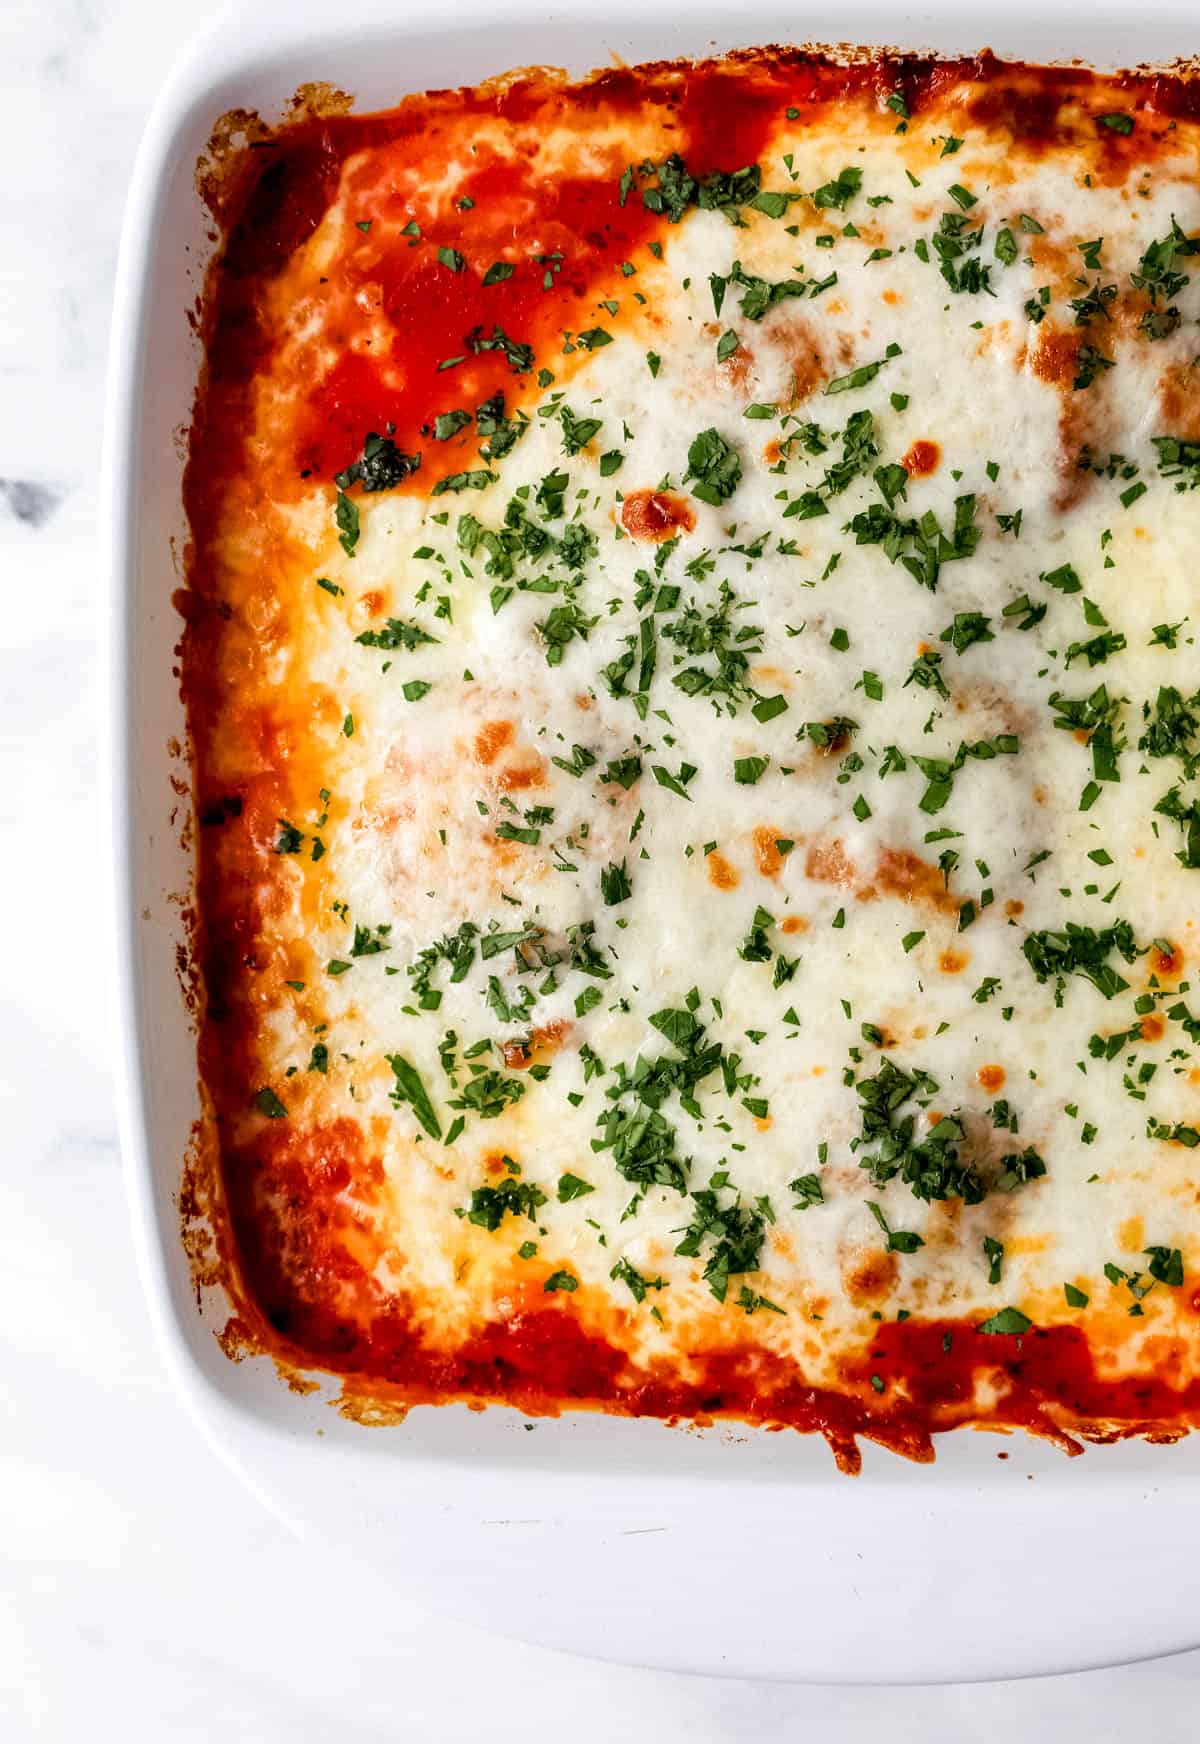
922 459
655 516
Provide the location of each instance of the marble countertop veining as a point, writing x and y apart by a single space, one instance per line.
143 1594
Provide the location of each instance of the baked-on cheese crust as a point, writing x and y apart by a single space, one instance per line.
692 667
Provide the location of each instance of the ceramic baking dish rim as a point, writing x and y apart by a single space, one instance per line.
588 1474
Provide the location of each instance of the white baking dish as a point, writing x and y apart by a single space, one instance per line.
738 1552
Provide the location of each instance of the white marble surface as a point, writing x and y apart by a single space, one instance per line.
143 1595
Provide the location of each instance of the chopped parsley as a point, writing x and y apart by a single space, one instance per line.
714 466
